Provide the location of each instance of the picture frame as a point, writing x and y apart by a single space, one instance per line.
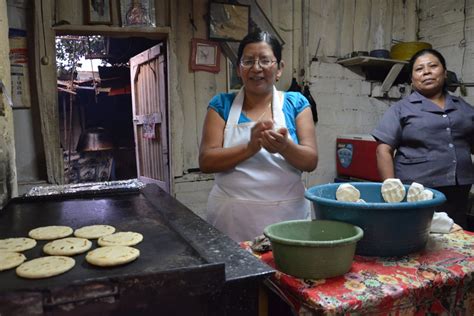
137 13
98 11
228 22
258 22
205 55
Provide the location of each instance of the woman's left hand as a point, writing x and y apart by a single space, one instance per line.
275 141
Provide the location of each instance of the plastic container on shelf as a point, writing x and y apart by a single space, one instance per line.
406 50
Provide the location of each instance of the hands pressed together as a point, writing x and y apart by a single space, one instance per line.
263 135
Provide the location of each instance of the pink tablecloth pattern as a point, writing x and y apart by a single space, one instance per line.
437 281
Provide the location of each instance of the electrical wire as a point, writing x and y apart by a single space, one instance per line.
462 42
305 8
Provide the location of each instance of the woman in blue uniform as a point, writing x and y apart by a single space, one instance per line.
432 133
257 142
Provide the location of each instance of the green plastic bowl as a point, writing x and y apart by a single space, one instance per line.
313 249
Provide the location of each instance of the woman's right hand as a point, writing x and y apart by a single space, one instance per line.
213 157
256 134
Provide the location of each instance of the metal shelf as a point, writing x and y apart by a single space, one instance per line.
366 61
393 66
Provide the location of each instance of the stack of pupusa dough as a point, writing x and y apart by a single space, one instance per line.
346 192
417 192
393 191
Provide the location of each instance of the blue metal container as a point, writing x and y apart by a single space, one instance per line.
390 229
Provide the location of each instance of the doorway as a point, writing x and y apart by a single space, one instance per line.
101 135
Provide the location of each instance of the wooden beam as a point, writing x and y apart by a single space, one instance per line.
390 78
44 90
115 31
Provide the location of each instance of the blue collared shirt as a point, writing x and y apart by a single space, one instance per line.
433 146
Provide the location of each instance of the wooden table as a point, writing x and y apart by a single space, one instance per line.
438 280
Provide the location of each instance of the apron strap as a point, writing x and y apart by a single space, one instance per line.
237 104
278 116
236 109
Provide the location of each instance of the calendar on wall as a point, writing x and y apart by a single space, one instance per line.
19 70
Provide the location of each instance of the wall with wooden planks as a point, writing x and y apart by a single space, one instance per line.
311 29
322 29
319 30
339 27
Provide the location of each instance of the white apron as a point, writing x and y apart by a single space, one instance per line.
261 190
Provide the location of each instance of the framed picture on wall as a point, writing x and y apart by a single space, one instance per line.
258 22
205 55
228 22
98 11
137 12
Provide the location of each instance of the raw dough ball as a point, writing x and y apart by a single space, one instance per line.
346 192
414 192
393 190
426 195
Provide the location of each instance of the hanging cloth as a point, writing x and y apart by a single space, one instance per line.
311 101
294 86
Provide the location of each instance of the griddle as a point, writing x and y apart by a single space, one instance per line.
181 255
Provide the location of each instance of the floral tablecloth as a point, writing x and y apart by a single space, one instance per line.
437 281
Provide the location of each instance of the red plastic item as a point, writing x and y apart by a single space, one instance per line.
356 158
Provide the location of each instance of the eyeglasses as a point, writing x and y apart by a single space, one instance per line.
264 63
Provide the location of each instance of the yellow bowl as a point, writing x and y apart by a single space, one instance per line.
406 50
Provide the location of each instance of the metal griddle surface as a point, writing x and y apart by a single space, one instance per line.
162 250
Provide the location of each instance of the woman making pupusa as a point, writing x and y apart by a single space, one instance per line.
258 142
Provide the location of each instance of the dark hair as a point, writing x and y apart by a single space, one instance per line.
256 37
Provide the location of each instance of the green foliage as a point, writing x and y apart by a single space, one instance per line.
70 49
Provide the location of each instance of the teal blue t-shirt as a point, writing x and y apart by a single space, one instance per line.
293 104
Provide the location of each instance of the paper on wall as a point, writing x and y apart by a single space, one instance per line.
19 69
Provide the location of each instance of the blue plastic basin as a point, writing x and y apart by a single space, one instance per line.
390 229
